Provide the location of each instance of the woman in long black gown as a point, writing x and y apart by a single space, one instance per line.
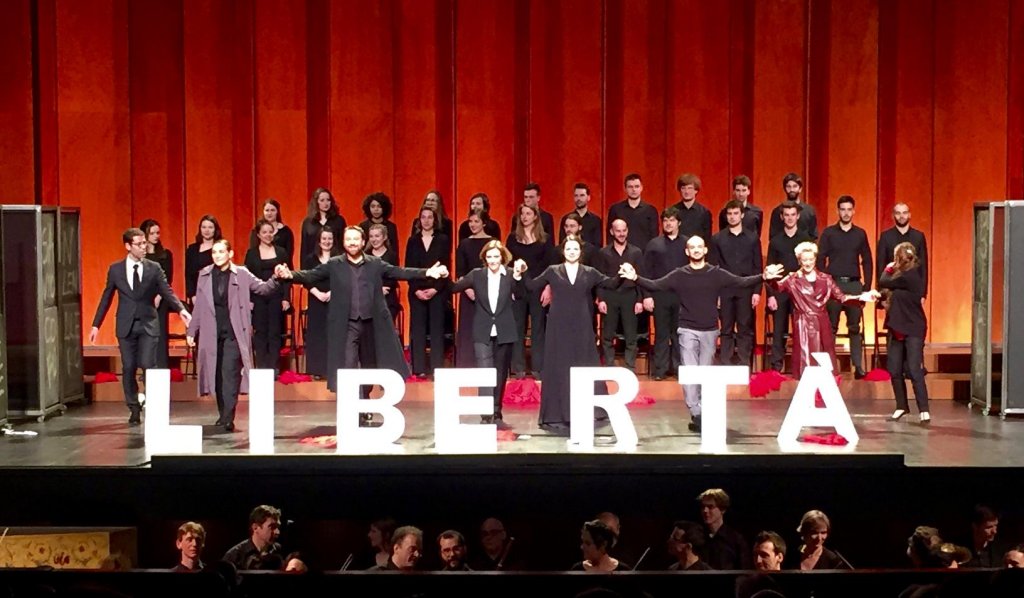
467 257
569 340
427 298
267 310
158 253
316 311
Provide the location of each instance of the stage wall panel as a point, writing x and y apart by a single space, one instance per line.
176 108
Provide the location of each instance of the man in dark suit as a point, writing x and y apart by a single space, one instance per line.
138 282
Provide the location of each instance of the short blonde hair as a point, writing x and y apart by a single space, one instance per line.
804 247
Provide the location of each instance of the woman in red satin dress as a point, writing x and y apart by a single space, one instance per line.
810 290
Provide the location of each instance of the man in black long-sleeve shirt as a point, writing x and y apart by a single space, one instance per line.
793 185
781 250
844 253
661 256
694 218
640 216
901 232
738 251
531 197
696 287
753 216
624 303
590 222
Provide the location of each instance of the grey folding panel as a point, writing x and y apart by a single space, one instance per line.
69 297
1013 311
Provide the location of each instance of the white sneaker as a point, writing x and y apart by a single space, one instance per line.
925 417
897 414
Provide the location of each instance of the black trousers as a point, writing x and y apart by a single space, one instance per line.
228 378
854 315
138 350
426 324
904 360
499 356
360 350
666 322
267 325
620 310
780 320
538 316
737 318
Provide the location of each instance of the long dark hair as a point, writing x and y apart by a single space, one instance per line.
335 246
217 232
276 204
147 224
417 230
313 211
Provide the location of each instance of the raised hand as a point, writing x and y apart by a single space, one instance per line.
437 271
774 271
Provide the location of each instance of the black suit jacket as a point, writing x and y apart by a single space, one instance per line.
135 304
484 318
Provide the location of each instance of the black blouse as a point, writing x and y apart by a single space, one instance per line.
195 261
904 313
538 256
283 238
311 234
418 256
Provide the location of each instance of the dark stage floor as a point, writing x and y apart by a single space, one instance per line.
97 434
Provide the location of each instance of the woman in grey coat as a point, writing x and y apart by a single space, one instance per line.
223 322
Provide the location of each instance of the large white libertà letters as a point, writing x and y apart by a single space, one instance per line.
451 435
803 413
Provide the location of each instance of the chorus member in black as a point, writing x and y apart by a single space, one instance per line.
480 203
753 215
903 283
137 281
283 236
529 242
222 323
377 208
156 252
902 232
591 230
661 256
844 254
467 257
694 218
427 299
358 316
315 334
696 287
569 341
531 197
321 212
793 185
267 310
737 250
781 250
572 224
596 538
620 306
443 226
641 217
379 246
493 327
814 529
197 255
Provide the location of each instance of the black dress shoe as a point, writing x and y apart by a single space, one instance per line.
136 417
659 378
859 374
694 425
500 423
229 427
